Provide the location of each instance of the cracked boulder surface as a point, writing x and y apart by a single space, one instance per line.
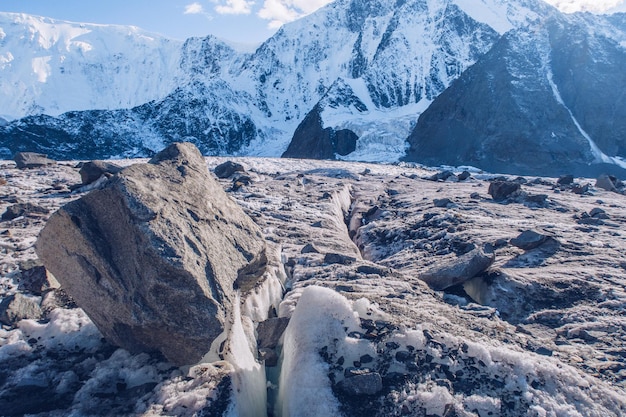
540 330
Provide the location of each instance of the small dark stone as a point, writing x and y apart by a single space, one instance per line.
227 169
366 359
543 351
464 175
598 213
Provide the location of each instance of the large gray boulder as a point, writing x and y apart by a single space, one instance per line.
448 273
152 256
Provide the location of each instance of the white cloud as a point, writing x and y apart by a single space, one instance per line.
279 12
234 6
593 6
194 8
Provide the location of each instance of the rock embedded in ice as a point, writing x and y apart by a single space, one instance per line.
447 274
32 160
152 256
364 382
18 307
501 190
270 331
91 171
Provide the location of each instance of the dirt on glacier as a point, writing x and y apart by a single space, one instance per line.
541 331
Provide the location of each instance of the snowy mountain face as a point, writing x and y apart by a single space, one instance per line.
394 60
51 67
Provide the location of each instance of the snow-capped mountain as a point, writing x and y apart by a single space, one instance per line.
50 67
393 60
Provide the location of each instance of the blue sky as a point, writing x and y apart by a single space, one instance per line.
248 21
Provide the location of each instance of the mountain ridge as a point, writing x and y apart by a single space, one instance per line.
396 58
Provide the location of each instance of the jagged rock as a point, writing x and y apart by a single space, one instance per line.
464 175
580 189
456 271
270 331
161 234
362 382
32 160
36 279
18 307
23 209
228 168
501 190
91 171
606 182
529 239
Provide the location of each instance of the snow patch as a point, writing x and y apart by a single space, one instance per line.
487 11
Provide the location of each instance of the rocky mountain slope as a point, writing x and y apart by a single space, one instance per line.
537 330
301 87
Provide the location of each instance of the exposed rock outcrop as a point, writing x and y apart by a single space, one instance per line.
153 255
91 171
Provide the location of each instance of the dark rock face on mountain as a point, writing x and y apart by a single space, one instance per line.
538 102
158 234
311 140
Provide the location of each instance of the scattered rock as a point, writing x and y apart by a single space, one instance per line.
536 200
463 268
529 239
464 176
157 234
270 331
93 170
501 190
227 169
565 180
607 182
32 160
599 213
441 176
362 383
442 203
338 258
580 189
23 209
18 307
